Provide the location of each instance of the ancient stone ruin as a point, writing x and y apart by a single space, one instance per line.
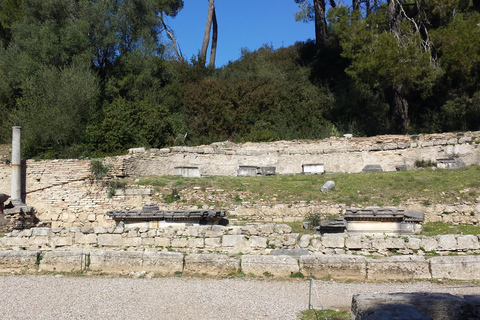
151 216
375 220
16 214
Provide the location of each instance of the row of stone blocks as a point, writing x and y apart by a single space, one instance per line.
336 267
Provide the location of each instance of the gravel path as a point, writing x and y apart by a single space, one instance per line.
62 297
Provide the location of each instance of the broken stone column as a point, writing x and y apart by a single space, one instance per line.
16 184
18 215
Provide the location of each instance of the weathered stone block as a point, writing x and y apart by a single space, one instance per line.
179 243
407 306
110 240
455 267
305 241
258 242
110 261
357 242
232 240
58 241
85 238
61 261
18 260
213 242
41 232
195 243
468 242
279 266
162 263
162 242
132 242
333 241
398 268
210 264
447 242
338 267
429 244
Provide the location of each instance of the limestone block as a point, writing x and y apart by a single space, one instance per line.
337 267
132 242
468 242
258 242
58 241
41 232
232 240
266 228
278 266
148 242
210 264
249 230
162 263
213 242
429 244
162 242
191 232
333 241
305 241
447 242
413 243
18 260
13 242
316 245
61 261
110 240
39 242
179 243
407 306
111 261
195 243
398 268
99 230
283 228
455 267
357 242
85 238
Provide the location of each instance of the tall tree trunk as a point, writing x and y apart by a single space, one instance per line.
320 22
400 107
356 5
213 50
171 36
208 25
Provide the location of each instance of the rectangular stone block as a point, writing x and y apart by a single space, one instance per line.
333 241
278 266
210 264
111 261
41 231
398 268
338 267
110 240
468 242
85 238
213 242
61 261
61 241
163 263
16 261
162 242
455 267
195 243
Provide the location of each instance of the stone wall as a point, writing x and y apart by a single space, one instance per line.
63 193
337 154
258 239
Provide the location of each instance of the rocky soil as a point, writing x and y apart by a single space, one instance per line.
63 297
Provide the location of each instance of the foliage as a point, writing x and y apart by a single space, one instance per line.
94 78
439 228
314 219
313 314
357 189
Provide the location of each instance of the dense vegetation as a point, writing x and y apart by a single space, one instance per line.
89 78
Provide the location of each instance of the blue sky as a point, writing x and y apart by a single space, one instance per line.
241 24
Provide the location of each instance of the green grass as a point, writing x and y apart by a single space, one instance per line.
439 228
354 189
313 314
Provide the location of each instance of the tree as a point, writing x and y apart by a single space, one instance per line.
211 20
